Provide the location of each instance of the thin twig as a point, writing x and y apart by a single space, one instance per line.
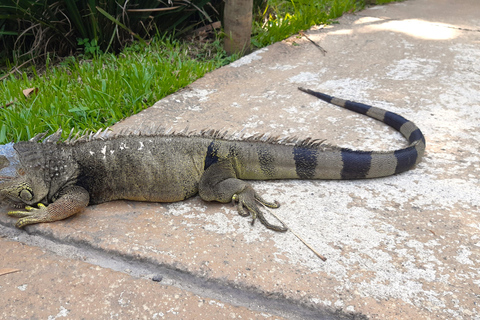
314 43
152 10
299 238
8 104
4 271
14 69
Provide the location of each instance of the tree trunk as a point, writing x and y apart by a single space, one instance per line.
237 22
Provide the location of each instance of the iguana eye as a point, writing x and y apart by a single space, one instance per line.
25 195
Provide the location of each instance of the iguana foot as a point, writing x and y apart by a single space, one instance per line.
31 216
219 183
248 199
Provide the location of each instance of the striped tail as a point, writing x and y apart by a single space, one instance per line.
370 164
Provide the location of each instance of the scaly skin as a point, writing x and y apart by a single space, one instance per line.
72 201
62 178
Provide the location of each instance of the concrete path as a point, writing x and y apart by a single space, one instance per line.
402 247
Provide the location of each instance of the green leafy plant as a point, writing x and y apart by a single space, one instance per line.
33 27
90 47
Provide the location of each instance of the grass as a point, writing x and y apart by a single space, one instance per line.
86 94
285 18
282 18
95 90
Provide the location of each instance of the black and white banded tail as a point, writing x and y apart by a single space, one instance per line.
370 164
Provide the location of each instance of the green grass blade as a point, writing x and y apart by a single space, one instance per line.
76 18
106 14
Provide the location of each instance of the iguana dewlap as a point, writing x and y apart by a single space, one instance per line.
62 178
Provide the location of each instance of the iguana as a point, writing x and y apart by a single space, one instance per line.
61 178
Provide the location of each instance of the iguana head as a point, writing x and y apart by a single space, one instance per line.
45 168
18 191
22 191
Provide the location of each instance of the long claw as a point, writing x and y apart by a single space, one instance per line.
248 199
32 215
30 211
275 204
263 220
241 211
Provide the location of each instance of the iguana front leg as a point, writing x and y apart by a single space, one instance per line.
219 183
70 201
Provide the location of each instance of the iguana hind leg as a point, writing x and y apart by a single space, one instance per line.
70 201
219 183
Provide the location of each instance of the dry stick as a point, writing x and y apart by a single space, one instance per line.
299 238
15 69
8 270
153 9
315 44
8 104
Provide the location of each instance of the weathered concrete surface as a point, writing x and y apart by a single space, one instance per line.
45 286
403 247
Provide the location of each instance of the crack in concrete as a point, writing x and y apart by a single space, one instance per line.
224 291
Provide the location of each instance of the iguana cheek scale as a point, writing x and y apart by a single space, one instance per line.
62 178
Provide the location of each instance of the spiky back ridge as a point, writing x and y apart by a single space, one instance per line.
107 134
262 156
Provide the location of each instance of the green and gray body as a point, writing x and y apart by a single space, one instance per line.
162 167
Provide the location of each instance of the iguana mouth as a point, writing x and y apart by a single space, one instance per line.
16 205
4 199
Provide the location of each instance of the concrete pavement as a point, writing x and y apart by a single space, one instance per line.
402 247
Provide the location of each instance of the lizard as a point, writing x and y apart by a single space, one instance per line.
59 178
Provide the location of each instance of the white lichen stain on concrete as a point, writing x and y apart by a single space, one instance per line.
404 190
219 222
195 108
216 303
248 58
253 122
282 67
229 221
291 110
333 119
184 208
305 78
62 313
406 45
225 221
200 95
23 287
463 255
347 88
123 302
413 69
